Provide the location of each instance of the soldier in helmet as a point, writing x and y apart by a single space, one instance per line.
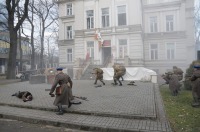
173 81
119 71
99 75
178 71
195 78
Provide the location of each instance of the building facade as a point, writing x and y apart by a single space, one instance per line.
156 34
5 48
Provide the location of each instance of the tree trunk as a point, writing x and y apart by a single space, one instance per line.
21 51
42 47
11 72
33 49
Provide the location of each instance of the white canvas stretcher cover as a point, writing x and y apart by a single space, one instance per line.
136 73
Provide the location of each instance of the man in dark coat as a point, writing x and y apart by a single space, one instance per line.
65 83
99 75
119 71
195 78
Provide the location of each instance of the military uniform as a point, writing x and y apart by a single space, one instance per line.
119 71
196 86
173 81
99 75
66 90
179 72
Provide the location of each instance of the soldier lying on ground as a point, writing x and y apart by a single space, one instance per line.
24 95
99 75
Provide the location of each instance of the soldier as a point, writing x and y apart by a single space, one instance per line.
174 84
64 97
119 71
99 75
179 72
195 78
24 95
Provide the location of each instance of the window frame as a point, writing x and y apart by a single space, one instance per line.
169 24
69 55
154 57
124 53
69 32
91 20
70 9
174 44
153 29
126 22
106 18
90 48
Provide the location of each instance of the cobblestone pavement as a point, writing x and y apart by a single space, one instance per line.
137 107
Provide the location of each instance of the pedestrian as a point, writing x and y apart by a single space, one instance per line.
24 95
99 75
195 78
63 92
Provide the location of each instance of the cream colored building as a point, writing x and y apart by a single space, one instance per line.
156 34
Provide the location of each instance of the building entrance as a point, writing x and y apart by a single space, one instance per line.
106 54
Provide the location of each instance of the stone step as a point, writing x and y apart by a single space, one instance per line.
104 114
83 122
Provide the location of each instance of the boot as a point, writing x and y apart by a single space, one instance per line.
70 104
60 110
103 82
115 82
196 103
120 84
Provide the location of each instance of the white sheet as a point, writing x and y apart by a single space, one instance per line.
137 73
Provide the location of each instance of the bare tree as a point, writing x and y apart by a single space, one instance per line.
30 19
44 9
11 6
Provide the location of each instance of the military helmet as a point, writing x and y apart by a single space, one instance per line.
197 65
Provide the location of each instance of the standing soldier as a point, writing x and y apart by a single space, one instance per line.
179 72
195 78
118 72
99 75
174 84
64 97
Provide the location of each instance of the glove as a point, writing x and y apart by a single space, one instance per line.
52 95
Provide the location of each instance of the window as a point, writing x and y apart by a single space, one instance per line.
69 55
153 24
170 51
154 51
169 23
90 19
69 9
121 15
69 32
90 48
105 17
122 48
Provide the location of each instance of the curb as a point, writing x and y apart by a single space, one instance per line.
86 112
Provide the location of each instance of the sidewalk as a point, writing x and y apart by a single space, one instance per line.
110 108
4 81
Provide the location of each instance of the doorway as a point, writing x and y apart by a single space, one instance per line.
106 53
